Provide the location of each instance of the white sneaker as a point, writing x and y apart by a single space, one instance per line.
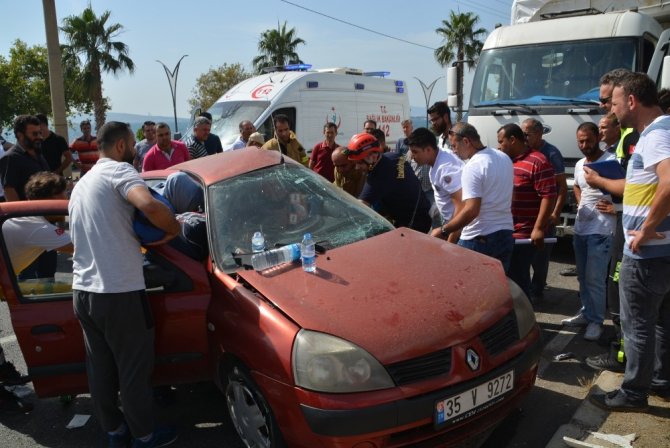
575 321
593 331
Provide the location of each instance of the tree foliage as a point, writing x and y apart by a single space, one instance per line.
277 47
215 82
24 84
91 42
461 42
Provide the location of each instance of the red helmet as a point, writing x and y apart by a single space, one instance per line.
362 145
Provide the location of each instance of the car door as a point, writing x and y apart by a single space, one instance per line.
49 334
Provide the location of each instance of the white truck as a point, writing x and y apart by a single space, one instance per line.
548 63
344 96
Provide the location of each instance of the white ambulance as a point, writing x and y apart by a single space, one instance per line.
312 98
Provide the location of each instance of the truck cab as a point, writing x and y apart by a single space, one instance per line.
550 70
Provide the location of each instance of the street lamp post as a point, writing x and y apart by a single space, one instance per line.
427 92
172 79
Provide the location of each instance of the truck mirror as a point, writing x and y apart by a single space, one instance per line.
665 73
452 101
452 81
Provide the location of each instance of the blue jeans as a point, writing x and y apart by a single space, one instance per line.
497 245
592 256
519 269
644 290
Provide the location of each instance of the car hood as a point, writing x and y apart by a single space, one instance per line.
398 295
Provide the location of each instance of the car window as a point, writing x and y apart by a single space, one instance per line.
49 277
284 202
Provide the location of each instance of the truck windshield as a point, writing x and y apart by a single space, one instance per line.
227 115
550 73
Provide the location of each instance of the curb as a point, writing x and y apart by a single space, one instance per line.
587 417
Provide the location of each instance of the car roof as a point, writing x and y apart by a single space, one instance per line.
217 167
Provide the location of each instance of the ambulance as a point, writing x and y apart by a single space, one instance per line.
311 98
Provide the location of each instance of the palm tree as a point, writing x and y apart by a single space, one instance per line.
91 42
277 47
460 42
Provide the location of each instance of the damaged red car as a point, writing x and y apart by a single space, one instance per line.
397 339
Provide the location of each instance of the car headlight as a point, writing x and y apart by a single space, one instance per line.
326 363
525 315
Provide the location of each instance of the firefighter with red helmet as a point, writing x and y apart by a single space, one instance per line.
391 186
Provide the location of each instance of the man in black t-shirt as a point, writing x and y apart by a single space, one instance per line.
55 148
391 183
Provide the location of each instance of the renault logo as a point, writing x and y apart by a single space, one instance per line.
472 358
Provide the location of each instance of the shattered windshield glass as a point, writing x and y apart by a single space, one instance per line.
284 202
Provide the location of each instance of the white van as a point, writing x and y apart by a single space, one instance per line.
344 96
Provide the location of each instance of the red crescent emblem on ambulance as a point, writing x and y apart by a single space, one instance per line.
262 91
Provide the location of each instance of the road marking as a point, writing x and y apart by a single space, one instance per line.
555 346
8 339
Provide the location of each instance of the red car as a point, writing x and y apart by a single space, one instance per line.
398 339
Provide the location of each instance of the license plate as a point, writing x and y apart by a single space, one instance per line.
466 404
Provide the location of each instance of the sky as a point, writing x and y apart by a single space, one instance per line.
213 32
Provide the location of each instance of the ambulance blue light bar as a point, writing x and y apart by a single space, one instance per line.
381 74
297 67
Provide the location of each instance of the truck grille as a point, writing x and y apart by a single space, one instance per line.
501 335
417 369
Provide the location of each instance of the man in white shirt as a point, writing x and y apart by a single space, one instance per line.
445 176
594 229
487 180
246 129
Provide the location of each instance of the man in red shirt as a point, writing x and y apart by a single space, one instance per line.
321 159
532 201
85 148
166 152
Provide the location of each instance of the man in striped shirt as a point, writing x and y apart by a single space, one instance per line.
533 200
196 141
644 276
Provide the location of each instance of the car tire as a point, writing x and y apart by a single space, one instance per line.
249 412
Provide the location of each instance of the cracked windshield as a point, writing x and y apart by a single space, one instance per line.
284 202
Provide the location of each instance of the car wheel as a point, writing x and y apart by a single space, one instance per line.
249 411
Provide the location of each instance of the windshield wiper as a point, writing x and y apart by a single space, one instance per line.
511 106
570 100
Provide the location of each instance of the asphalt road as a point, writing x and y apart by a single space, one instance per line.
202 418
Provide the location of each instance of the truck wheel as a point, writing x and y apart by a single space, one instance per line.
249 411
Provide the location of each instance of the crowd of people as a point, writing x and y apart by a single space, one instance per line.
502 202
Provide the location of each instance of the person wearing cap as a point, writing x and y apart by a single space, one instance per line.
256 139
85 147
390 183
320 160
347 177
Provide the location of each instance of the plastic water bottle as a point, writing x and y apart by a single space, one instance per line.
308 253
270 258
257 242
